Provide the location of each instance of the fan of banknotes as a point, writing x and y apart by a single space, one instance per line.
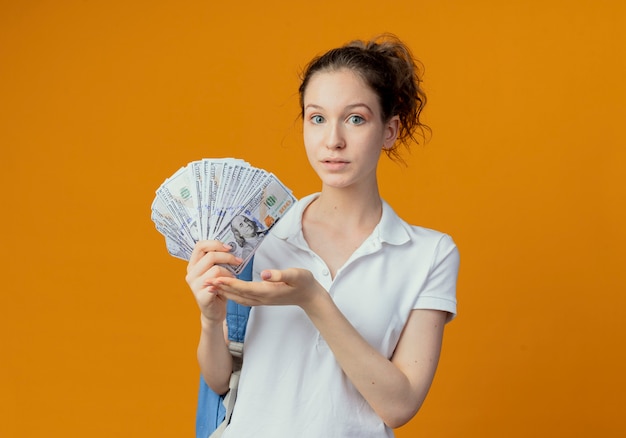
222 199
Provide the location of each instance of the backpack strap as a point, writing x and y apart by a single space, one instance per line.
237 321
237 315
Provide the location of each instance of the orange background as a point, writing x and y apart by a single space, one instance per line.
101 101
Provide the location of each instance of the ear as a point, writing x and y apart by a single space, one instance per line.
392 128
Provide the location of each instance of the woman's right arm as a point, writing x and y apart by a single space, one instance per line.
213 355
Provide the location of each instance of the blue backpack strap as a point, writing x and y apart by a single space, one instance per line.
237 314
210 411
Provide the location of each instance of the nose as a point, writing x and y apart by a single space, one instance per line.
335 136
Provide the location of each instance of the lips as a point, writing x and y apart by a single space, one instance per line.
334 163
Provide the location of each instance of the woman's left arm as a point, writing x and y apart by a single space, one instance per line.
394 388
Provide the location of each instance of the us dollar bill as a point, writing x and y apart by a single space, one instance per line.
251 223
225 199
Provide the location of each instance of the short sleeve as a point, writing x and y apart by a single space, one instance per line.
439 291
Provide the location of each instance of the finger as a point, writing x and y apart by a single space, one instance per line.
235 290
211 259
272 275
234 286
227 282
287 276
203 247
206 283
216 273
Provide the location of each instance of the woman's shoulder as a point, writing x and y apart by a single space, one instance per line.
425 233
399 230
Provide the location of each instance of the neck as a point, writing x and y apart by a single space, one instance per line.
360 207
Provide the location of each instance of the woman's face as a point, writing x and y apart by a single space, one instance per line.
244 226
344 133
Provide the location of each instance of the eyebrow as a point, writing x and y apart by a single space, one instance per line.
348 107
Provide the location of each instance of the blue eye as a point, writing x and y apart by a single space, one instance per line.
317 119
356 120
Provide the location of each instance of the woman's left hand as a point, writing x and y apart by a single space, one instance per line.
291 286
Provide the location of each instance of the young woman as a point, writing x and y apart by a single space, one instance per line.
349 302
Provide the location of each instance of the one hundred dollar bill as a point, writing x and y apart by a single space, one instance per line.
225 199
253 221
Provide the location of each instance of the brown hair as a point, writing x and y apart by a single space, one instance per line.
388 67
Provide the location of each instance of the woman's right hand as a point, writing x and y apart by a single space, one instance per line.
203 266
